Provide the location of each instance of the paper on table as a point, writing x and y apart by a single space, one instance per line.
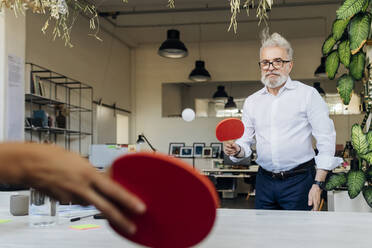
4 221
85 227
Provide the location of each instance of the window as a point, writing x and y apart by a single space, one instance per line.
216 108
336 107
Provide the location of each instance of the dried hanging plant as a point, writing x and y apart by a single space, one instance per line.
65 12
261 13
171 4
62 12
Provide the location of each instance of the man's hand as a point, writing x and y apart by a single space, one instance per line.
68 177
230 148
314 197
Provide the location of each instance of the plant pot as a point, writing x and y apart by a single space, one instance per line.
339 201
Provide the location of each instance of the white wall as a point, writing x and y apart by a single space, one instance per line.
2 74
12 42
104 65
225 61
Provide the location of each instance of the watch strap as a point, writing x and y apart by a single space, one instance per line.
319 183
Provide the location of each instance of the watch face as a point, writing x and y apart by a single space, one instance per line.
320 184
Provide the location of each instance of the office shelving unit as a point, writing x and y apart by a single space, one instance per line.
48 90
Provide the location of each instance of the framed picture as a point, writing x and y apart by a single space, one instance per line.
186 152
216 149
207 152
175 149
198 149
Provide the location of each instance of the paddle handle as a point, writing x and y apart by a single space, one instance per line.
228 143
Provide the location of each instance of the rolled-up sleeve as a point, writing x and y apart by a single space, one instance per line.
323 131
247 139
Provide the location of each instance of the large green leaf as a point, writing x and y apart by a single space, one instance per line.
369 140
367 157
332 64
359 139
345 86
358 31
350 8
357 65
335 180
328 45
338 28
355 183
367 193
344 52
365 7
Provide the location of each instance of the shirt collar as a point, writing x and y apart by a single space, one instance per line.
290 85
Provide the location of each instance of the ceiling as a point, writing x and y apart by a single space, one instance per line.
146 21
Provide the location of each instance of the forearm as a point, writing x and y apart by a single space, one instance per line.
17 161
321 175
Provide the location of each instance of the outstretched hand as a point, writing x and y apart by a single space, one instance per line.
68 177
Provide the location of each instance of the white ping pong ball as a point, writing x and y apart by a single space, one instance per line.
188 114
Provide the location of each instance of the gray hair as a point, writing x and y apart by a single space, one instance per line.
276 40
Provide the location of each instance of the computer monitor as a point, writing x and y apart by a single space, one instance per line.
103 155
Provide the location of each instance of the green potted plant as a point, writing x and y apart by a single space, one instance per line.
359 178
347 46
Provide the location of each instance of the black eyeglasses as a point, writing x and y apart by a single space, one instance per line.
276 63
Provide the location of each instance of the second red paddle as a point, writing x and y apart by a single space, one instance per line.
181 203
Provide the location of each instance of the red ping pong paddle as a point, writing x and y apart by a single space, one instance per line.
229 129
181 203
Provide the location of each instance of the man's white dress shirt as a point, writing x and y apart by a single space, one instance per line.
282 127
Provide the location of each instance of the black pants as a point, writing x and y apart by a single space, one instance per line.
290 193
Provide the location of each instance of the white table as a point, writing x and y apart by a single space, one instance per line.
234 228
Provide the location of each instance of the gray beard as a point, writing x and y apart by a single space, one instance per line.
281 80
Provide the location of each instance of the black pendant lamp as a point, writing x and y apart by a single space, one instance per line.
230 103
199 74
172 47
321 71
220 94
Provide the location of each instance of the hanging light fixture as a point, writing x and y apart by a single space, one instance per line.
230 103
319 89
172 47
321 71
220 94
199 74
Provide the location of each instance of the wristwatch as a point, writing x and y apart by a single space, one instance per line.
237 153
320 184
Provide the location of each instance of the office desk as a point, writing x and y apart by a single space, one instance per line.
237 173
233 228
229 188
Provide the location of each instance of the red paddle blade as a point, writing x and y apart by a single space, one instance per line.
229 129
181 203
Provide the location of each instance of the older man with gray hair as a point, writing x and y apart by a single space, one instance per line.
281 119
